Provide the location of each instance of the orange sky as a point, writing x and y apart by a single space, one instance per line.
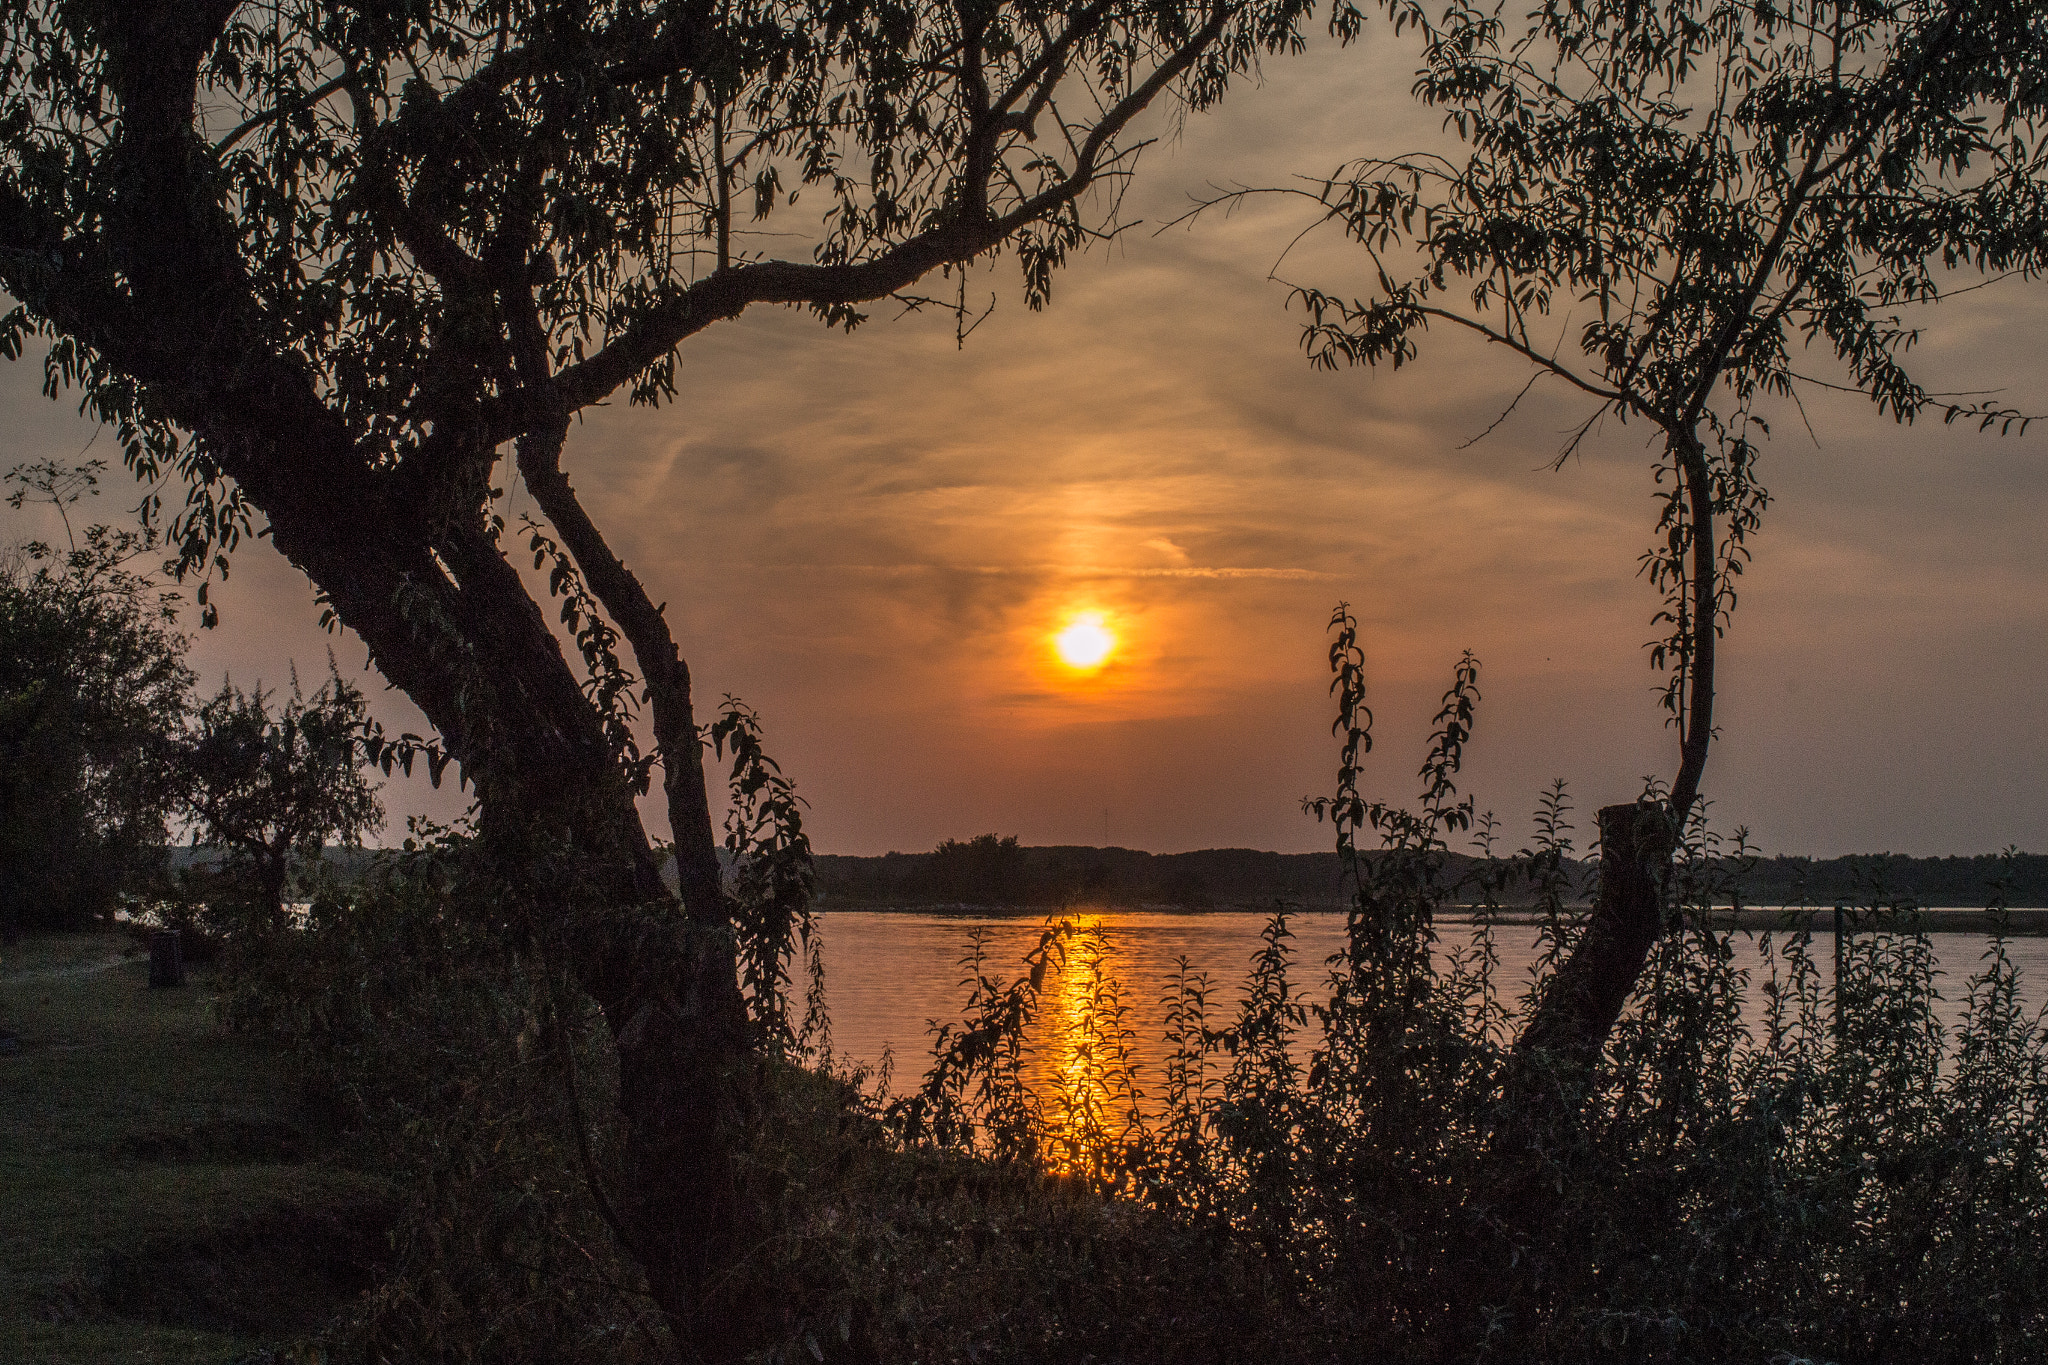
873 539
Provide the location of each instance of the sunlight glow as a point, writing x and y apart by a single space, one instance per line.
1085 643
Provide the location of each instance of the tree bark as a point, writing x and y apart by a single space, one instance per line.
1696 728
166 960
666 675
1586 996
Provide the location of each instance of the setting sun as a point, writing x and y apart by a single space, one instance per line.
1085 643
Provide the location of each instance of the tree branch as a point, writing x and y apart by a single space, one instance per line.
728 292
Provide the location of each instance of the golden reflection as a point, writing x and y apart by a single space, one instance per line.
1095 1100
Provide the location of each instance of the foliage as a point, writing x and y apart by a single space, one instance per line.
1705 190
475 1076
771 883
460 1067
1771 1168
267 790
985 870
93 684
975 1098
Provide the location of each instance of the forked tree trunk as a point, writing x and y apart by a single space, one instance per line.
558 815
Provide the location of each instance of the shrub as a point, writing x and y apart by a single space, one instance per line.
93 686
1339 1171
461 1063
1849 1183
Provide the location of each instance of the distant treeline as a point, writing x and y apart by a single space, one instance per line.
988 871
1859 879
999 872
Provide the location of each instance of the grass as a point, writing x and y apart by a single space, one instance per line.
165 1200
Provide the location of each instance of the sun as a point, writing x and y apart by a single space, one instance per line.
1085 643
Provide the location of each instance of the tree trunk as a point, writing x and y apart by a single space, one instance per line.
558 816
166 959
407 561
1586 996
1538 1126
273 870
1570 1028
662 669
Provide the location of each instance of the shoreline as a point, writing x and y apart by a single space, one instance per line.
2021 921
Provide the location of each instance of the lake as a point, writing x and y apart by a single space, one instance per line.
890 974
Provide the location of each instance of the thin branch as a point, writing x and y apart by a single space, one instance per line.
728 292
305 101
1505 413
1549 363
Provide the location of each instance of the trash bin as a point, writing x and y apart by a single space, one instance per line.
166 959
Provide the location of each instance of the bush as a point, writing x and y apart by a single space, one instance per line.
270 788
1364 1170
471 1072
446 1051
93 686
1851 1184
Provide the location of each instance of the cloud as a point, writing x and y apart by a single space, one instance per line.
871 537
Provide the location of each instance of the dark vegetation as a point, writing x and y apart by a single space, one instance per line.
1419 1185
267 789
93 683
106 751
1336 1158
337 265
1057 876
1247 879
1956 881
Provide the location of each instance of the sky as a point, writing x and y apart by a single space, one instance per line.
873 539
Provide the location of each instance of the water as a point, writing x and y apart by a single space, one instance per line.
891 975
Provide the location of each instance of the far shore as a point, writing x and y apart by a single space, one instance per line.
2027 922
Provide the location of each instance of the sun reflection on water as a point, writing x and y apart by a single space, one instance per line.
1094 1108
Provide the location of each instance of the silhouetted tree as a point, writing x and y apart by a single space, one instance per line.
330 262
264 790
93 686
1710 189
984 870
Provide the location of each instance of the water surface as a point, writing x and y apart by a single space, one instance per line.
891 975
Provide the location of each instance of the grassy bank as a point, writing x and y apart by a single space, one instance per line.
166 1200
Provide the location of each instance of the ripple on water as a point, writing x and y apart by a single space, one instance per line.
891 975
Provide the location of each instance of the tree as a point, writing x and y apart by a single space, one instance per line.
985 870
330 263
93 686
264 790
1711 190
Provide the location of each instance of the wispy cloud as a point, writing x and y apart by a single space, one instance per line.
873 537
1090 571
